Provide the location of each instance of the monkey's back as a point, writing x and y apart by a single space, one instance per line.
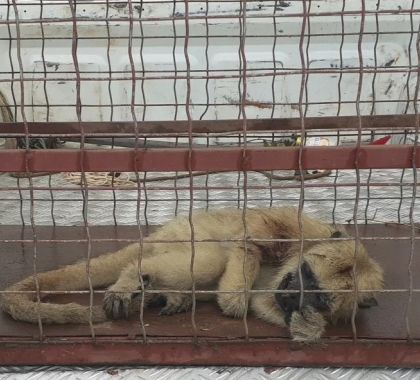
228 224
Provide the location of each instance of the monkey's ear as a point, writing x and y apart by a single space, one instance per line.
368 302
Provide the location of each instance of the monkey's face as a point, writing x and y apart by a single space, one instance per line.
289 301
327 269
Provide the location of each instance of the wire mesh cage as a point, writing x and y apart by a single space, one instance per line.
209 117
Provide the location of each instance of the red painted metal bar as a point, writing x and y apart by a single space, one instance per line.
215 159
273 353
118 128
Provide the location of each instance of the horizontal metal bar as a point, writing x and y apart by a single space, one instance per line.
215 159
201 36
197 241
196 199
153 74
251 291
121 4
114 129
285 71
127 142
221 16
255 353
294 185
229 103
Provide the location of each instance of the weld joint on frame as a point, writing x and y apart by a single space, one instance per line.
29 160
360 158
138 160
246 160
190 159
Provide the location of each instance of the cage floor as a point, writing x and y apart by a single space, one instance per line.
387 321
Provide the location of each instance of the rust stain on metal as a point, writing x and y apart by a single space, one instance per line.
271 353
117 128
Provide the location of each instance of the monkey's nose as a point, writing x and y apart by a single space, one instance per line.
288 302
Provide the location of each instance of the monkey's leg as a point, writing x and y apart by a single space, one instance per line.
170 270
118 298
233 279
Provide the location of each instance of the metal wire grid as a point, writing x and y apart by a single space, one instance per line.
330 198
244 14
49 73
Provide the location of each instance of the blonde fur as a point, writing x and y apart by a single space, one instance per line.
219 265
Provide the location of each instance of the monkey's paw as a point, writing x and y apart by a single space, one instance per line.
307 326
118 301
176 303
117 304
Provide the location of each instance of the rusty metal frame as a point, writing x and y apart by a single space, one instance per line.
215 159
255 353
199 127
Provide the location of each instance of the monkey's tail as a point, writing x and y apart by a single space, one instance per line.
20 300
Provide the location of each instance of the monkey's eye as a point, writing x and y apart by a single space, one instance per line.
337 234
346 270
286 281
322 301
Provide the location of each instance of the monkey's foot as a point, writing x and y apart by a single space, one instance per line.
117 304
118 301
233 305
176 303
307 326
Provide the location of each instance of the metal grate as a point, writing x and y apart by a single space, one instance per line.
128 113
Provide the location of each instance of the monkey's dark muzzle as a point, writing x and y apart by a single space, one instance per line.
290 302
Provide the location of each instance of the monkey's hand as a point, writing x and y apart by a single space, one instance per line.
307 325
118 300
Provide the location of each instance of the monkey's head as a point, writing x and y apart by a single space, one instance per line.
326 269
